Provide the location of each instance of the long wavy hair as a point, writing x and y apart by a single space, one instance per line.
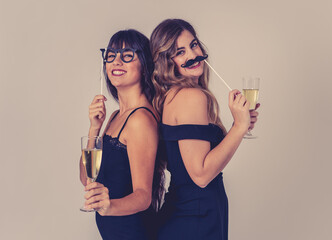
163 47
134 39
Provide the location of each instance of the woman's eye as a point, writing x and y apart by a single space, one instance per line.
195 44
179 53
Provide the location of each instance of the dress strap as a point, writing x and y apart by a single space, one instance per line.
131 114
115 115
109 122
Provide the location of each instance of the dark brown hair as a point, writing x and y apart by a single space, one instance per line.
134 39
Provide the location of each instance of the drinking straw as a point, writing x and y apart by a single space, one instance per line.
218 75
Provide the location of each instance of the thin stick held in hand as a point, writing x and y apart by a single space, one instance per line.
101 76
218 76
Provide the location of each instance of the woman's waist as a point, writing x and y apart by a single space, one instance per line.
185 193
134 218
193 198
182 185
201 205
117 189
125 226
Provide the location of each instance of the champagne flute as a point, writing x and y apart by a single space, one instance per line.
251 92
92 148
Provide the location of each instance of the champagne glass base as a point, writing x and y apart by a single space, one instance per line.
83 209
249 136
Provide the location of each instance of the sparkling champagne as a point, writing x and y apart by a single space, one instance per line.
91 159
252 97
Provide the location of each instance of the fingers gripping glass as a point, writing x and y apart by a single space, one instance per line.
92 148
126 54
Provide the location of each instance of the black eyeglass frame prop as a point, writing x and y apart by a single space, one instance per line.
105 51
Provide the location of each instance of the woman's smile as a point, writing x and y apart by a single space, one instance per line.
118 72
195 65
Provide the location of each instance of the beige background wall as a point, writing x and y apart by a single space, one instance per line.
279 185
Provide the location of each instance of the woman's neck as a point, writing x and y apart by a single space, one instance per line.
195 80
130 99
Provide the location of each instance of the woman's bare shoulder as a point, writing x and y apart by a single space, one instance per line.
189 106
142 120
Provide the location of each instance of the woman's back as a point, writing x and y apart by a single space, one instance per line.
191 212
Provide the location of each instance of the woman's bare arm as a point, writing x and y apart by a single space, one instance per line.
203 164
141 138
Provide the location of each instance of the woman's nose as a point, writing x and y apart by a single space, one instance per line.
192 54
117 60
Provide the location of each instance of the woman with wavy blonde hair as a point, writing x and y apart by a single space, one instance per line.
197 145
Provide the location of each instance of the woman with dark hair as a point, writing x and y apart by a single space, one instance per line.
125 188
197 144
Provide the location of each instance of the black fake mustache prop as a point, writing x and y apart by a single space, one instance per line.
192 61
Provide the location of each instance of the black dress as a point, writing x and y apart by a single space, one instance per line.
191 212
115 175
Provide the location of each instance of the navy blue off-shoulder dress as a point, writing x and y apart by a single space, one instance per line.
192 212
116 176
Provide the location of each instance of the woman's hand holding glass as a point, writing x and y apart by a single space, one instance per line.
97 197
92 150
239 108
251 92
